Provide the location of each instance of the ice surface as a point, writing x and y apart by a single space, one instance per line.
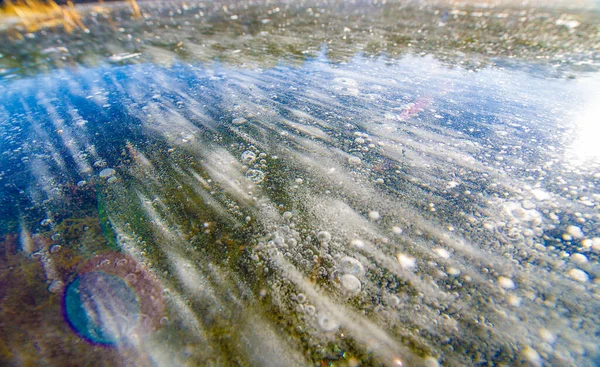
365 195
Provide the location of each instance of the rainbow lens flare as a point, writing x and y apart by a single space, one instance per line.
102 308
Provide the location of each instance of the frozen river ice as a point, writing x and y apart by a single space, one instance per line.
232 192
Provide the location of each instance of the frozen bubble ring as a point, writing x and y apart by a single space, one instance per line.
349 265
239 121
324 237
248 157
327 323
350 283
255 175
107 173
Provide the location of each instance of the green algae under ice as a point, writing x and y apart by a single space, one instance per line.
281 184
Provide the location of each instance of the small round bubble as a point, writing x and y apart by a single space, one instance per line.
324 236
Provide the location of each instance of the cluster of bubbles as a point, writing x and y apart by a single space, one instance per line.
250 158
109 174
